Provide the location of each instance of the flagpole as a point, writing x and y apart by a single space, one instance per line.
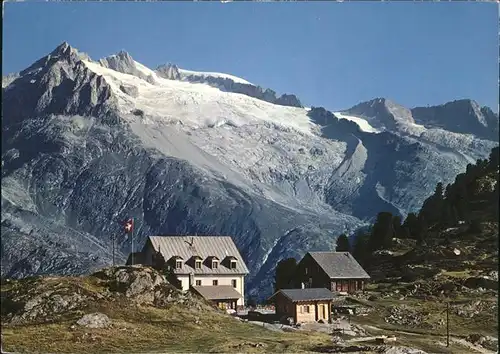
132 240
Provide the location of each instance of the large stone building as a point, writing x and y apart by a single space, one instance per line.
206 264
336 271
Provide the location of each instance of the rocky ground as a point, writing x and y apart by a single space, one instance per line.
413 284
134 309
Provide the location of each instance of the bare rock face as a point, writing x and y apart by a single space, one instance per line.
382 113
132 91
461 116
137 283
145 285
124 63
45 306
288 100
94 320
168 71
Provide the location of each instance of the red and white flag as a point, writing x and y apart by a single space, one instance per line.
129 226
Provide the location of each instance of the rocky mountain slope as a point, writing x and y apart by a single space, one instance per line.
87 144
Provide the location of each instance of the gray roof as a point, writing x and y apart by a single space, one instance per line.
202 246
339 265
217 292
307 294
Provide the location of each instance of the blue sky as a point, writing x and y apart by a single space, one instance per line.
329 54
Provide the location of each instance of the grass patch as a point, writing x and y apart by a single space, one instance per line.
457 274
148 329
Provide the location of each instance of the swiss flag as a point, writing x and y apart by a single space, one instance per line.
129 226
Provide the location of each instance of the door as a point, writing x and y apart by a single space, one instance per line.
322 312
345 286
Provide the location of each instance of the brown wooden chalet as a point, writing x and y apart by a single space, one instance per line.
303 305
336 271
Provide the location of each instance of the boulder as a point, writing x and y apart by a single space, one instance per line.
487 342
481 282
94 320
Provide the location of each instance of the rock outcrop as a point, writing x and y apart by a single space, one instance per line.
477 120
124 63
45 299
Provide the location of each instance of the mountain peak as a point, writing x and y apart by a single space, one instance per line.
64 49
121 61
168 71
124 63
123 55
382 113
461 116
61 47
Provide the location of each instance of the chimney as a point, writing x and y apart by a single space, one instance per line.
191 279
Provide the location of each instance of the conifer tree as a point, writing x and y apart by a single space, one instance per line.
494 159
343 244
411 224
361 249
382 232
285 271
396 226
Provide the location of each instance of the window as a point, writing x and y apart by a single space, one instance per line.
178 264
305 270
233 264
197 264
233 283
215 264
198 283
215 282
306 308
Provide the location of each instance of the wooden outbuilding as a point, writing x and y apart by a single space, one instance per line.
304 305
223 296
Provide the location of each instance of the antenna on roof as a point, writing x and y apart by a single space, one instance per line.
192 241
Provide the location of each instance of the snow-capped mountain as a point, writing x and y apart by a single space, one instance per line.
87 144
